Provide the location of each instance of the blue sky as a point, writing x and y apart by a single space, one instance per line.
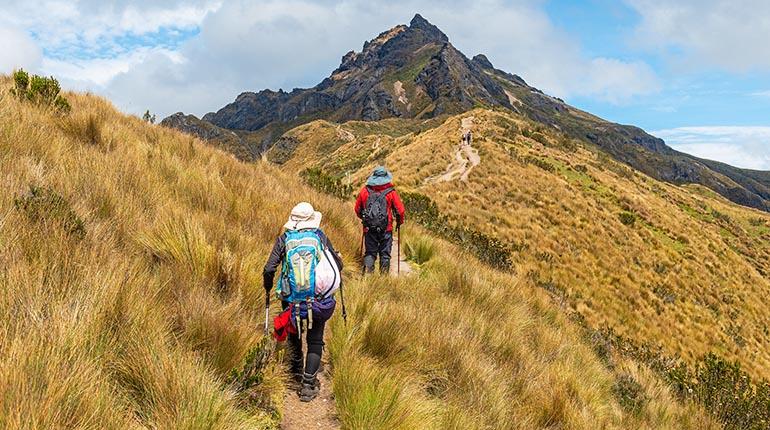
695 72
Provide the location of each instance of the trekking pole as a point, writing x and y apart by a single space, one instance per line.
398 265
363 253
267 310
344 311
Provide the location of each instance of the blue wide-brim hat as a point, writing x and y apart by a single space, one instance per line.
380 176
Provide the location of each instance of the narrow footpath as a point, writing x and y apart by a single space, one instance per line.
466 157
321 413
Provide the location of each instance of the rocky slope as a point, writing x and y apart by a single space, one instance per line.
415 72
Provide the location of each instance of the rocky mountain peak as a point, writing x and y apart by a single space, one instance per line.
430 30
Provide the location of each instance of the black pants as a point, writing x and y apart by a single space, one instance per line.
378 244
315 347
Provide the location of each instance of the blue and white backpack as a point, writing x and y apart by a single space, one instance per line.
297 284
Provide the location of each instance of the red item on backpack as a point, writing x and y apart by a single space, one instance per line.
282 326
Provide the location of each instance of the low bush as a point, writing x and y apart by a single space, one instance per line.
722 387
627 218
419 249
40 90
630 393
489 250
318 179
44 205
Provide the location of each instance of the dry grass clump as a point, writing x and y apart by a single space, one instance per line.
130 283
460 346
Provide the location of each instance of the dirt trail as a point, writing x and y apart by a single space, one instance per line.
318 414
406 268
466 158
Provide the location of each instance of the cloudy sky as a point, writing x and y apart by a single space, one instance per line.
694 72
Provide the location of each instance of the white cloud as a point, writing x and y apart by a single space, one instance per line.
60 24
617 81
95 74
18 50
729 34
761 94
747 147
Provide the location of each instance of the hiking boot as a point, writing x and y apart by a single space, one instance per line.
296 379
310 388
296 366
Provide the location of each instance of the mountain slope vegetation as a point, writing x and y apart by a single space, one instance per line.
131 290
674 266
131 272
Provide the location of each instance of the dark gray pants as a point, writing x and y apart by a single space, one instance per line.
315 348
377 244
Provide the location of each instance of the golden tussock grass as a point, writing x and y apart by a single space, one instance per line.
136 320
460 346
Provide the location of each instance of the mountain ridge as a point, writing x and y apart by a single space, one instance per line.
415 72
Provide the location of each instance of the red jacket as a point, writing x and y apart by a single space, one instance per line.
394 202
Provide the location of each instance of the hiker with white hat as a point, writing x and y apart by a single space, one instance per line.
311 272
378 206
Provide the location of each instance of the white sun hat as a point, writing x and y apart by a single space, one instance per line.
303 216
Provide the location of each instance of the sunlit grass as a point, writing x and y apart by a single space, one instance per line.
130 283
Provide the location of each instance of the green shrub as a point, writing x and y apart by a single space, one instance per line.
247 380
539 137
630 393
318 179
722 387
727 391
539 162
627 218
40 90
46 205
489 250
421 209
419 249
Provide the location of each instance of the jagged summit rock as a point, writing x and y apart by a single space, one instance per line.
414 71
420 23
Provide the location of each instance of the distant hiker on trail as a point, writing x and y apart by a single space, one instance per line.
310 275
466 138
378 205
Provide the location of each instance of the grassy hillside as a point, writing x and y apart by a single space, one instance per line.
130 283
460 346
678 267
131 288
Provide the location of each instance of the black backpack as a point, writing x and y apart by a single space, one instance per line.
375 213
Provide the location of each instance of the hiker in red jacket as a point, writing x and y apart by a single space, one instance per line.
378 205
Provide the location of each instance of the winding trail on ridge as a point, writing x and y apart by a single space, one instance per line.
466 158
321 413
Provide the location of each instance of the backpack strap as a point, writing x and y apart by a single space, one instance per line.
390 206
